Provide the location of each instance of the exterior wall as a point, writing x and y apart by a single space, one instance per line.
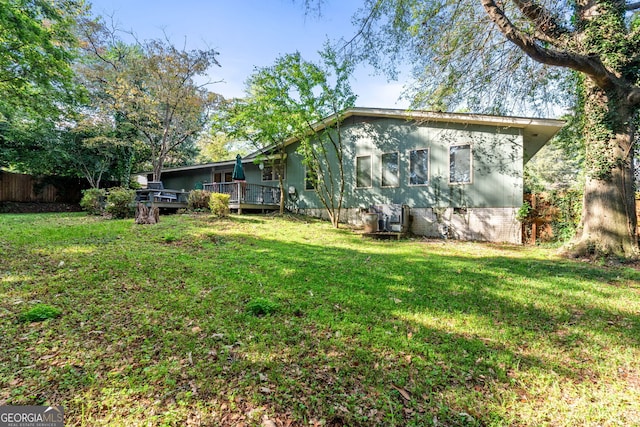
195 178
483 224
490 200
486 224
187 180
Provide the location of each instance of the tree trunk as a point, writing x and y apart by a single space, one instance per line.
608 223
144 215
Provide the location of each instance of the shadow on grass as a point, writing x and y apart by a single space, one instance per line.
388 333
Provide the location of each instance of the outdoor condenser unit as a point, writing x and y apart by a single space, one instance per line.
392 217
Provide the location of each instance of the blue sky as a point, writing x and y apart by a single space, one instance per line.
249 34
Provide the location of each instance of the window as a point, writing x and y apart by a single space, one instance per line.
460 164
310 178
363 171
419 167
222 177
270 173
390 170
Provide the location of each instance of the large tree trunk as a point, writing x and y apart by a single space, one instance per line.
608 224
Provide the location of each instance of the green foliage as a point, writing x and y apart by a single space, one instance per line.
523 212
120 202
297 93
261 307
93 201
219 204
39 313
198 200
152 86
569 208
37 47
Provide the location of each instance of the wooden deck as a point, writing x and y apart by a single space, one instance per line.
247 196
243 196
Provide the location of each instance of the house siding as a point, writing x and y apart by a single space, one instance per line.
490 199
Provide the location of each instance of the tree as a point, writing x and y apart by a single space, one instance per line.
94 150
323 152
38 45
490 56
152 85
283 104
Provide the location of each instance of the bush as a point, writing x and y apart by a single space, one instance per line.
569 205
120 202
198 200
219 204
93 201
40 312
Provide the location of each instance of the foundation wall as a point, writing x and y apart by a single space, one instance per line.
483 224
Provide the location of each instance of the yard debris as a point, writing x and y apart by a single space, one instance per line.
403 392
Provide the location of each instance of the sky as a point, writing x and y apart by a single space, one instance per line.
249 34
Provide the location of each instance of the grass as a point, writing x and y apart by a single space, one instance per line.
198 321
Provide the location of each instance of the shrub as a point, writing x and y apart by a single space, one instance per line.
93 201
569 205
261 307
120 202
40 312
198 200
523 212
219 204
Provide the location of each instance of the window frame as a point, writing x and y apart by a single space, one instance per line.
274 172
307 184
370 156
470 181
428 150
382 169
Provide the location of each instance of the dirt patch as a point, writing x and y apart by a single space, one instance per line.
25 207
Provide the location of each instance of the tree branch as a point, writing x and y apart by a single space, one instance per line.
633 6
589 65
544 21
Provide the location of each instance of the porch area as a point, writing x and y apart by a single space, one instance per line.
247 196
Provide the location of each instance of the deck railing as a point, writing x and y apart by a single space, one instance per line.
245 193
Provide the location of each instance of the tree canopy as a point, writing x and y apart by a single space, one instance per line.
283 103
38 46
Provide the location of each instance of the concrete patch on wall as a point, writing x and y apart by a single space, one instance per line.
484 224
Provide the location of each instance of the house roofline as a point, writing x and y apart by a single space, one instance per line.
434 116
536 131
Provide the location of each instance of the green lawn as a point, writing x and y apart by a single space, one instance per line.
253 319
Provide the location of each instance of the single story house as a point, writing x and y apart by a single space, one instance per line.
460 175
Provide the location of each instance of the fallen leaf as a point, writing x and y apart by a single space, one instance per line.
403 392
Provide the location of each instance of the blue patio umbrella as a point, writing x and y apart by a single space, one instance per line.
238 172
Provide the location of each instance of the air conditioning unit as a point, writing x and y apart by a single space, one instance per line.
392 217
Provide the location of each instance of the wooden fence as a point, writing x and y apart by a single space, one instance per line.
20 188
538 225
